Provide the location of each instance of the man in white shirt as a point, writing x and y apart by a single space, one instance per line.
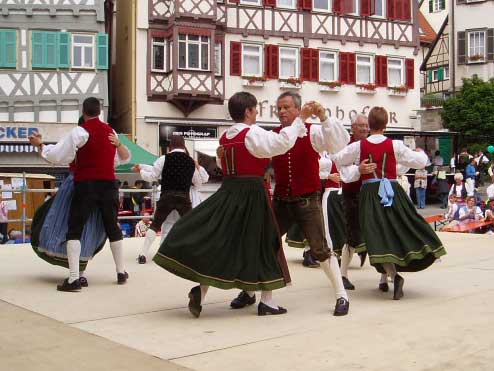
4 211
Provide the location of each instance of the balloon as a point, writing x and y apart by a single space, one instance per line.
490 149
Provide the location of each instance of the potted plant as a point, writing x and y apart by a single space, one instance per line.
476 58
253 80
329 85
291 82
367 88
397 90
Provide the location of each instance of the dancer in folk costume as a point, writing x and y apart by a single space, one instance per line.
178 174
297 194
397 238
95 147
231 239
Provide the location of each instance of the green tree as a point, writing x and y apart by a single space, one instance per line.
471 111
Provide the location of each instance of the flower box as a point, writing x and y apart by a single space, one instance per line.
253 81
399 91
331 86
291 83
366 89
476 58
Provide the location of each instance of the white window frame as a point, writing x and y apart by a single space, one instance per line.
82 46
164 46
170 56
335 62
251 3
293 6
446 72
217 58
402 71
484 47
260 56
435 75
384 5
195 42
323 10
296 58
372 68
356 10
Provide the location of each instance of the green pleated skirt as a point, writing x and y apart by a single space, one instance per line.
231 240
396 234
336 221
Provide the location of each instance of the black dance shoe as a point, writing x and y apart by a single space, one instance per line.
384 287
363 256
341 308
122 278
195 306
263 309
83 281
69 287
141 259
347 284
309 261
242 300
398 287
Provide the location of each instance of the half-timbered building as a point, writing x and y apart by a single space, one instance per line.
188 56
53 55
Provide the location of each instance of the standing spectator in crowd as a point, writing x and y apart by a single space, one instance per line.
420 186
437 160
452 163
143 226
471 173
442 187
4 211
127 201
137 197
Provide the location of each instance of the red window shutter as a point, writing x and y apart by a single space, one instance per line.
337 6
235 58
270 3
410 73
307 4
267 61
381 71
377 63
314 65
274 61
407 10
365 7
352 65
391 9
234 1
306 65
343 68
349 6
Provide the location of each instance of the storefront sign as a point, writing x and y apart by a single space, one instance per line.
188 132
12 133
267 110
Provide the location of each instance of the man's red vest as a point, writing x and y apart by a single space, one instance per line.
353 187
95 160
377 152
297 172
329 183
238 160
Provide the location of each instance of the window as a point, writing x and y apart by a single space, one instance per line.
82 51
251 2
217 58
251 60
286 4
193 52
380 8
322 5
158 54
436 5
476 46
364 69
327 66
289 62
395 72
8 48
446 73
170 55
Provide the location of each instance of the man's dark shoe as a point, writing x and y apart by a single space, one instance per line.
122 278
195 306
242 300
384 287
83 281
141 259
347 284
363 256
263 309
398 287
341 307
309 261
69 287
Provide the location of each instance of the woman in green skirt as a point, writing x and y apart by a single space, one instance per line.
231 240
397 238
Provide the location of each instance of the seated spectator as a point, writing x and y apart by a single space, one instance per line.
471 211
460 189
453 212
143 226
489 209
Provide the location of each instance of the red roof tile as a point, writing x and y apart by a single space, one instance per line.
427 33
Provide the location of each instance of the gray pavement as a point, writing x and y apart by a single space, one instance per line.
444 322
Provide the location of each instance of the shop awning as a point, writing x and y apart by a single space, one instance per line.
17 147
139 155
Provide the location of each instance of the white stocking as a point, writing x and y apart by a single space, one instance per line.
332 270
346 258
73 255
117 252
267 298
148 241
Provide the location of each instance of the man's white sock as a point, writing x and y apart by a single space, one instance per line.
148 241
346 258
332 270
117 252
267 298
73 255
